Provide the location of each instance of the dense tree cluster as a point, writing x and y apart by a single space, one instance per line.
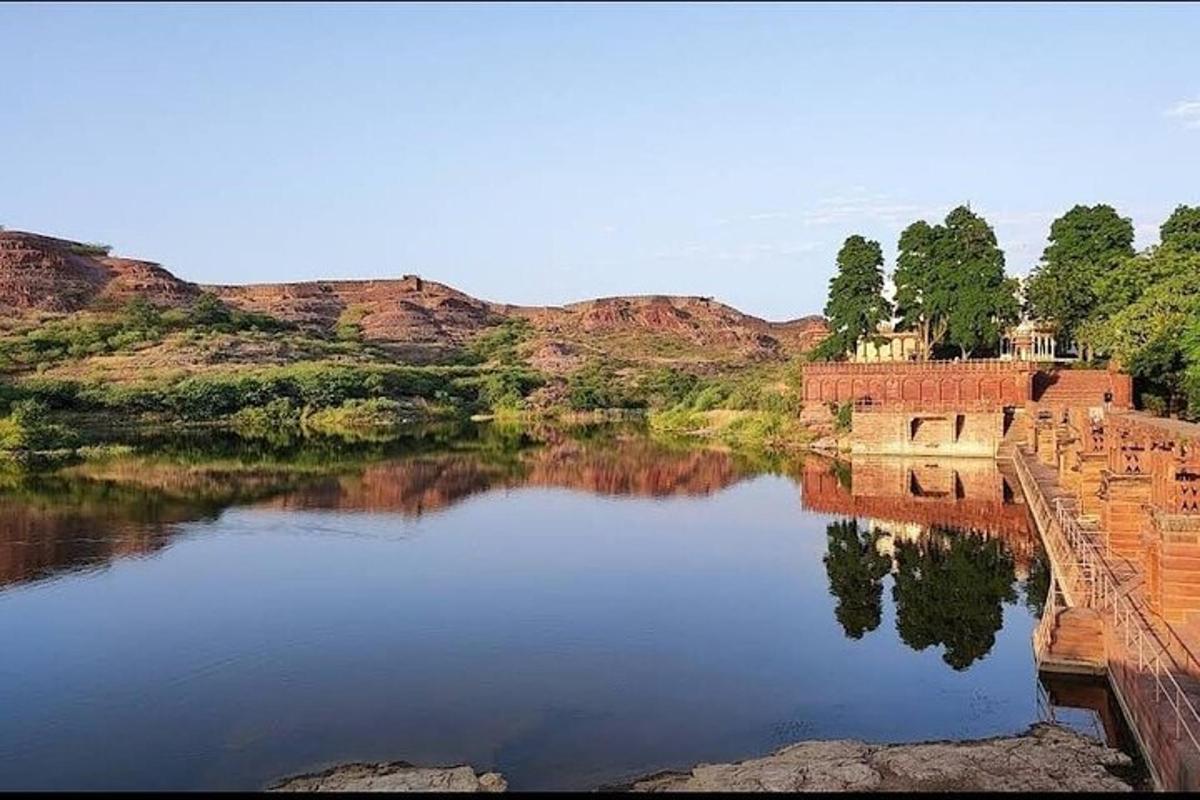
1140 308
1086 245
950 286
1147 316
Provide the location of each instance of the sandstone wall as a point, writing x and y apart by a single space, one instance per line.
906 433
978 385
1059 388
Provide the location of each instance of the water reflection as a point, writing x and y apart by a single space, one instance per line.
570 608
95 512
907 497
949 591
856 569
952 534
54 524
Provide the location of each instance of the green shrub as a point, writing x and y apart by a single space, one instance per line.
28 427
1154 404
55 393
349 324
208 311
506 389
709 397
598 386
91 249
137 323
358 417
500 342
667 387
277 422
843 418
213 396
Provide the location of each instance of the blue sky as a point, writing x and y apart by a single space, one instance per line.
544 154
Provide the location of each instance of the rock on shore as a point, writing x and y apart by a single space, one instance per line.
1044 758
394 777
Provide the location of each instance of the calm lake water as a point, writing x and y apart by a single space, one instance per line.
570 613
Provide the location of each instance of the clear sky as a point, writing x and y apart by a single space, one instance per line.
543 154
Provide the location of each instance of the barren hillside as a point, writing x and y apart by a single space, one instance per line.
414 318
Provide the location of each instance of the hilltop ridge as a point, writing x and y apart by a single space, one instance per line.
411 316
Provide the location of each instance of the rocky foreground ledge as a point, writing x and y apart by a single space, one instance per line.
1044 758
396 776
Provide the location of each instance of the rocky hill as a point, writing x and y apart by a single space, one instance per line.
415 318
40 273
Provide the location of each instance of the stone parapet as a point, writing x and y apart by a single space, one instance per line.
1124 510
925 385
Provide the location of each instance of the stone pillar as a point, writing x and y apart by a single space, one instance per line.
1047 436
1124 510
1091 469
1173 565
1068 460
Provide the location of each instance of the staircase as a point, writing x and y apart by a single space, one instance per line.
1076 643
1079 388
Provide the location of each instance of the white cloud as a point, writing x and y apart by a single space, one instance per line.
1187 112
857 206
860 206
745 253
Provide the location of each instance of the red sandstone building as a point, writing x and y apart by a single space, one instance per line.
963 408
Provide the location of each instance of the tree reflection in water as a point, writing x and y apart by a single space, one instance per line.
949 590
856 570
949 587
1037 585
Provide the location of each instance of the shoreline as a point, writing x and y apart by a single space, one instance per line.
1045 757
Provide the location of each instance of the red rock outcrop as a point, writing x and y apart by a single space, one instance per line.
410 310
41 273
699 320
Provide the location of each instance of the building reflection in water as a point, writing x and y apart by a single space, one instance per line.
956 540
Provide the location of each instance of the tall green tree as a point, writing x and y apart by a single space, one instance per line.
1181 231
951 286
1147 317
922 302
971 268
1086 244
1151 306
856 303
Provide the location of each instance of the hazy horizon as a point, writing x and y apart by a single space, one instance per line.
543 155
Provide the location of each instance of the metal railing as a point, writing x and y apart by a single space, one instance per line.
1044 631
1089 581
1130 628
